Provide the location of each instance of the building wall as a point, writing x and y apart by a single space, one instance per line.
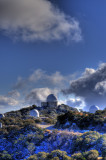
52 104
49 104
44 104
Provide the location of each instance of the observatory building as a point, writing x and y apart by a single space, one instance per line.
34 113
51 101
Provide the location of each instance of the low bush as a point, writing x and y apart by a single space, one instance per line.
91 155
61 155
78 156
82 120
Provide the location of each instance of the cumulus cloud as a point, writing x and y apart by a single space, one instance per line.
10 101
7 101
91 86
77 103
73 102
14 94
32 20
42 78
20 84
38 85
88 72
41 75
100 87
38 95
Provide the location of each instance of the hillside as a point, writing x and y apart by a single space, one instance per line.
22 138
83 121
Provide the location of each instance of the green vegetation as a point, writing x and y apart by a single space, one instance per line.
21 138
83 120
12 124
61 155
5 156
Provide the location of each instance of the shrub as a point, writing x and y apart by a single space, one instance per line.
42 155
91 155
31 148
78 156
28 122
38 120
33 157
82 120
58 153
55 158
67 157
104 154
49 120
5 156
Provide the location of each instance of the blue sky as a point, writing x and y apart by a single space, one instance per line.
19 58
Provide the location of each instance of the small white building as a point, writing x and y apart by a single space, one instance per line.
93 109
34 113
1 115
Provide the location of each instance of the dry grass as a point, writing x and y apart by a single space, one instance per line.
67 132
44 126
99 158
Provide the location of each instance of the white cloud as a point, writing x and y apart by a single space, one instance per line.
91 86
46 83
14 94
38 95
37 75
100 87
54 79
10 101
7 101
33 20
42 78
73 102
88 72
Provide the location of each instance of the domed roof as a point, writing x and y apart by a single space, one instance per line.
1 115
93 109
34 113
51 98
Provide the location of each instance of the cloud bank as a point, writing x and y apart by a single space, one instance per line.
77 103
38 95
74 102
38 85
7 101
44 79
14 94
91 86
33 20
88 89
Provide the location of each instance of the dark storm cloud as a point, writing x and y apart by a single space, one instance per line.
91 86
32 20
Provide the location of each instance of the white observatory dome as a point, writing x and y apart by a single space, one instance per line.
34 113
93 109
51 98
1 115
